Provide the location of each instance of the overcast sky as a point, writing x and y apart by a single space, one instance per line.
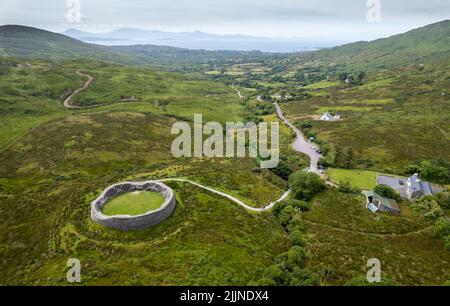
322 20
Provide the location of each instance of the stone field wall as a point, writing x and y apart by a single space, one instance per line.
130 223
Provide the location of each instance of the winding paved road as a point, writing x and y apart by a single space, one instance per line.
300 144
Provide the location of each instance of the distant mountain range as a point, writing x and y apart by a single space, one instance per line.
28 42
429 42
138 34
197 40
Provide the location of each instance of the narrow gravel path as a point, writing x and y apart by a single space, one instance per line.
268 207
86 85
237 201
239 93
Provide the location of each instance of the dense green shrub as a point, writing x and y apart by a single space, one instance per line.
303 277
442 228
302 205
283 170
387 192
286 214
305 185
343 157
443 199
294 257
289 269
428 208
297 239
346 187
296 223
433 170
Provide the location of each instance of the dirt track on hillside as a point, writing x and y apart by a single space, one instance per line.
86 85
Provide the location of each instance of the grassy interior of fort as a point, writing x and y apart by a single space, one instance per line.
133 203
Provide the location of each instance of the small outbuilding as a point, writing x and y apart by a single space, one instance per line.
376 203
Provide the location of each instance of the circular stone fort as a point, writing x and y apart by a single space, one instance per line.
138 222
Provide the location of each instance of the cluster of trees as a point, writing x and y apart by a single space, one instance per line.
283 170
250 114
7 62
301 77
442 229
343 157
289 163
352 79
431 207
313 74
278 79
437 171
338 156
304 185
264 108
290 267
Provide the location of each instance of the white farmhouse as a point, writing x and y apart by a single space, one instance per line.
326 117
329 117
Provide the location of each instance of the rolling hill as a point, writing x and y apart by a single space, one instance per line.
32 43
429 42
21 41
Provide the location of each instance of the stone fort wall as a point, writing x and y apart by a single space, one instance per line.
130 223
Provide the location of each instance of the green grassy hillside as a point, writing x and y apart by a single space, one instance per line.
49 177
32 43
55 161
395 118
343 235
426 43
33 94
